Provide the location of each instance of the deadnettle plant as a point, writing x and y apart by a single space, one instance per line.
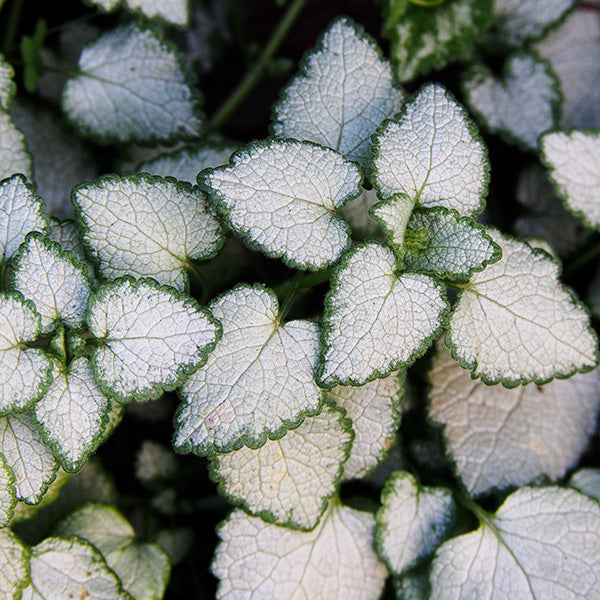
374 195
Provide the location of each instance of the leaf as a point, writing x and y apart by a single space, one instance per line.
520 104
172 11
54 281
132 86
14 156
66 233
375 320
21 211
184 164
14 559
374 410
542 543
335 560
25 373
502 437
71 569
73 414
412 521
343 92
150 337
283 197
573 50
143 569
587 481
574 162
356 214
8 500
30 459
393 215
429 37
455 175
518 21
258 382
146 226
7 84
514 322
288 481
154 462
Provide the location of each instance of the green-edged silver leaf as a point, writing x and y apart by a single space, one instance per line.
430 35
502 437
374 410
515 323
14 156
283 198
574 53
432 153
258 382
73 414
185 164
143 569
413 586
587 481
393 215
375 320
7 84
146 226
54 281
343 92
72 568
412 521
27 455
574 162
335 560
132 87
542 543
21 211
520 104
288 481
14 559
175 12
67 234
150 338
8 499
519 21
25 373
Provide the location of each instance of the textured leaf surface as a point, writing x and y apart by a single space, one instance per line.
73 414
143 569
66 233
284 196
393 215
7 84
515 323
432 153
258 381
574 53
376 321
412 521
430 36
502 437
343 92
150 338
521 104
574 161
71 569
288 481
14 156
587 481
374 410
455 246
29 458
518 21
54 281
8 499
14 559
542 543
25 373
146 227
21 211
132 87
335 560
173 11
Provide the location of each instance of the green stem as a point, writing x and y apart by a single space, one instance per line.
252 77
200 280
457 285
482 515
302 283
12 25
427 3
582 260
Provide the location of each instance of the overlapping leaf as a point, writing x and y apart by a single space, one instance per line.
283 197
8 500
172 11
14 559
7 84
587 481
132 86
258 381
432 153
14 156
343 92
515 323
146 226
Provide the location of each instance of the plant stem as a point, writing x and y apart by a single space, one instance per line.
199 279
582 260
302 283
12 25
252 77
427 3
482 515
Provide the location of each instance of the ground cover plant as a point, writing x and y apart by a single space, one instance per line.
300 317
